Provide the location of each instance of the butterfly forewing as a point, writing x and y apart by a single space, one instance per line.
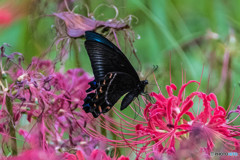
105 57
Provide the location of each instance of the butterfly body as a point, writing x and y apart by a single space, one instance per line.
114 76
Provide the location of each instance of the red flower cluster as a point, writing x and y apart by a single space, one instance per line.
171 120
170 127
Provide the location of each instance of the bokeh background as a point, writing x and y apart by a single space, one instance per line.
195 38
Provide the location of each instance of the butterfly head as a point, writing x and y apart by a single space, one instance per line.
142 85
145 82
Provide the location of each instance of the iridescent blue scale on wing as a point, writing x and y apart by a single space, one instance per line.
92 36
105 57
93 86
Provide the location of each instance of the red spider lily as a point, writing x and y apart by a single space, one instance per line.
95 155
170 122
98 154
78 156
36 155
123 158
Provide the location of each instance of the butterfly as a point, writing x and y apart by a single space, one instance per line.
114 76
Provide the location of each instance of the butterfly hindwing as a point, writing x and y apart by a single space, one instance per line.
128 99
120 84
110 89
105 57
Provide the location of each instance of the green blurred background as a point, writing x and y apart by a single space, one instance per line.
195 34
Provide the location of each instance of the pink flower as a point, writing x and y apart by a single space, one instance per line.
170 119
95 155
36 155
77 24
6 16
98 155
170 122
31 138
10 11
54 97
40 87
51 100
78 156
123 158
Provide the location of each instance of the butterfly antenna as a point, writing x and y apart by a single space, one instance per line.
139 107
155 67
148 97
135 112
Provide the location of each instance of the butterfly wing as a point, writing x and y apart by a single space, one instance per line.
105 57
128 99
111 88
120 84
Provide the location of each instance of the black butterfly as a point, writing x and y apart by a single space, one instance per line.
114 76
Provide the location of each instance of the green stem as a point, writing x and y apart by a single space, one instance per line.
11 126
228 83
103 130
118 151
76 53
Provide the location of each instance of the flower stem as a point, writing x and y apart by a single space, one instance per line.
228 83
11 126
76 53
